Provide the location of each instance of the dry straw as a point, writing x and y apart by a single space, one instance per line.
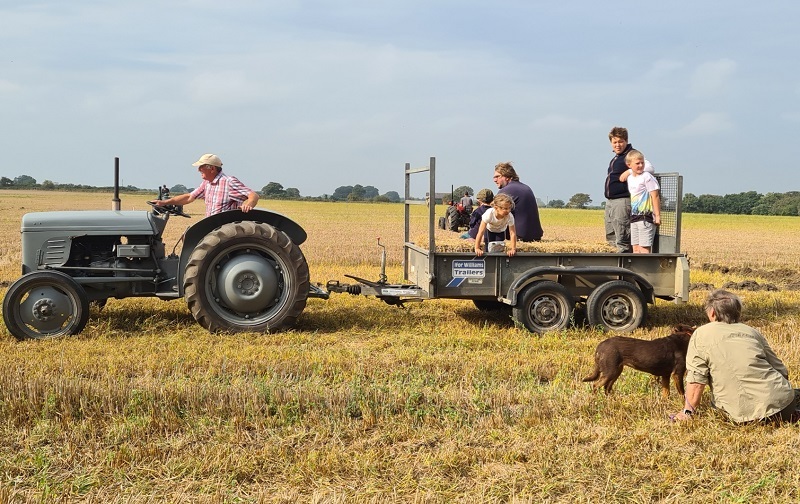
448 241
366 402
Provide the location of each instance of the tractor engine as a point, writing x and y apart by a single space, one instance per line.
118 251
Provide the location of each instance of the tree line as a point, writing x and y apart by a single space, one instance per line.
273 190
745 203
28 182
357 192
578 200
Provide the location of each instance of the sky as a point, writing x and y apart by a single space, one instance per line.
320 94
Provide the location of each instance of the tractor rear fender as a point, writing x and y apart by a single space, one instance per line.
199 230
538 273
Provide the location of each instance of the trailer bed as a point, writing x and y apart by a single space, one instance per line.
542 289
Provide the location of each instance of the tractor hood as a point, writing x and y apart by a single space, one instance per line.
90 222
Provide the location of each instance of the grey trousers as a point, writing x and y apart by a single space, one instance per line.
618 223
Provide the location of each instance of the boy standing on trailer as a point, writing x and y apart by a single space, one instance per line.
618 200
645 203
495 221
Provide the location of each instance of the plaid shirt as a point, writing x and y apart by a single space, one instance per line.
223 193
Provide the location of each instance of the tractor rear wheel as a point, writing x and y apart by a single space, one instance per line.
45 304
452 220
246 276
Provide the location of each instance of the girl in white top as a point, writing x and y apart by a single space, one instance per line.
494 223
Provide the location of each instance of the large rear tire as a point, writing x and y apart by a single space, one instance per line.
45 304
452 220
544 306
617 305
464 219
246 276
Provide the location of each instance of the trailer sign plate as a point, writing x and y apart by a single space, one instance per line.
472 270
469 269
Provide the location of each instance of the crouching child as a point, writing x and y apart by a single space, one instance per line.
494 223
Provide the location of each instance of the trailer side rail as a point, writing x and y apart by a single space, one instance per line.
431 202
668 238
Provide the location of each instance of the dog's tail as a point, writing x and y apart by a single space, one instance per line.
594 376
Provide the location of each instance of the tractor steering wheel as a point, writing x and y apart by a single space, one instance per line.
168 209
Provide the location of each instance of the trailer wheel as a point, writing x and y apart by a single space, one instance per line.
246 276
45 304
617 305
544 306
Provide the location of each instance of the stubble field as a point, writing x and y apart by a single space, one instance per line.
365 402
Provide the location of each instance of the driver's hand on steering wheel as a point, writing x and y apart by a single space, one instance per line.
156 202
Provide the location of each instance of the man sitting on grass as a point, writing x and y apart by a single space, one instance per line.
747 380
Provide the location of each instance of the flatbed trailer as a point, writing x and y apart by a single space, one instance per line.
542 289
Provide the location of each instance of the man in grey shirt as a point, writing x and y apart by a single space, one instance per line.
747 380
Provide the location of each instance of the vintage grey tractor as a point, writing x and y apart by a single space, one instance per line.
237 271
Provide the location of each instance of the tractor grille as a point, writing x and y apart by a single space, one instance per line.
55 251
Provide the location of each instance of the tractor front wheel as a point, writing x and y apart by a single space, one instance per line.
246 276
45 304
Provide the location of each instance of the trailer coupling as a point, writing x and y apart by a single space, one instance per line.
315 291
393 294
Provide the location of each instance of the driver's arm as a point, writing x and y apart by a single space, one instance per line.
250 202
181 199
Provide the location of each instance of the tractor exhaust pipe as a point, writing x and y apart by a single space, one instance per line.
115 203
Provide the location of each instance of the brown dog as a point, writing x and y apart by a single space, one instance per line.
661 357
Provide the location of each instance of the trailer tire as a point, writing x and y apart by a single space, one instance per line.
544 306
617 306
246 276
45 304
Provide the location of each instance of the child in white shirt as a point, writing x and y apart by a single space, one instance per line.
645 203
495 222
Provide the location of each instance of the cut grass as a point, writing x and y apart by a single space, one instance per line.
366 402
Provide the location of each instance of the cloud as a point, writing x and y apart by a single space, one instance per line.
707 123
662 69
235 87
791 116
8 87
560 123
711 78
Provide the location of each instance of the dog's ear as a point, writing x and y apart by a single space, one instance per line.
684 328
